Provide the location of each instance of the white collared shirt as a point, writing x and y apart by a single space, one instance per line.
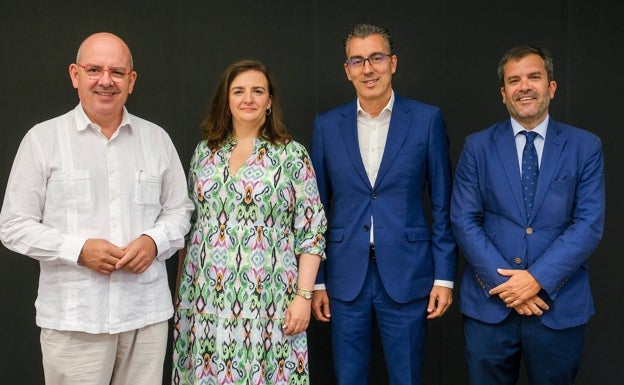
70 183
372 136
540 129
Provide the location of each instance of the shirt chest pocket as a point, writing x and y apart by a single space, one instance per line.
147 188
69 188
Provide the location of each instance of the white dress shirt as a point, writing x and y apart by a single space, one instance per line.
372 136
540 129
70 183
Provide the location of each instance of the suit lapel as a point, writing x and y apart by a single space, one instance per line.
400 121
553 147
506 147
348 130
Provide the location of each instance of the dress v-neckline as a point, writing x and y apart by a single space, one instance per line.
244 163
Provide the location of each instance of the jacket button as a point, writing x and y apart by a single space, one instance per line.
529 230
517 260
366 228
374 196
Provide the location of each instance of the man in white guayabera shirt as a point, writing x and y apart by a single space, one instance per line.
99 197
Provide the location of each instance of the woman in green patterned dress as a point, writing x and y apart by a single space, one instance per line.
244 285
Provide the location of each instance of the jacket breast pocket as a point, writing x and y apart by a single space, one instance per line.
147 188
69 188
414 150
565 185
560 198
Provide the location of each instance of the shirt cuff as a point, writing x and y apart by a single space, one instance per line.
70 251
161 242
319 286
440 282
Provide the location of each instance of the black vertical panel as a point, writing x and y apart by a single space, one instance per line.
594 101
447 50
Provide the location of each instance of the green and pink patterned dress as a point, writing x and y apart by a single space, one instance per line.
240 271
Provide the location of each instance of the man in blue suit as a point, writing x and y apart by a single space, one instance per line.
525 290
375 159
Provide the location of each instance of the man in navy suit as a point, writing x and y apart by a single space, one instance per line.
375 159
525 291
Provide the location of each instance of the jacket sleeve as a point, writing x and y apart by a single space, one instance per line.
322 179
440 182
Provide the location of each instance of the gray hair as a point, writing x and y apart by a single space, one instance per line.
364 30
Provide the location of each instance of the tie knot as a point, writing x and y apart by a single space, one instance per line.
530 136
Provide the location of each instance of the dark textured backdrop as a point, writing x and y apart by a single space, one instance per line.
447 50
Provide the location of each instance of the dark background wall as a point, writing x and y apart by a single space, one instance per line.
448 52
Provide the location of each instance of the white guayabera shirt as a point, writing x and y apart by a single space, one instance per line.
70 183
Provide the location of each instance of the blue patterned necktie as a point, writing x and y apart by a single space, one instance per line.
530 170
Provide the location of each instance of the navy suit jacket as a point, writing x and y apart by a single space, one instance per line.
410 252
492 230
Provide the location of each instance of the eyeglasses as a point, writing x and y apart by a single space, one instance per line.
374 59
95 72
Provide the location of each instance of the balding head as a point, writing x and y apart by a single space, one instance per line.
104 38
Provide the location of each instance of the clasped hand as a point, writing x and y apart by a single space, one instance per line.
105 257
520 292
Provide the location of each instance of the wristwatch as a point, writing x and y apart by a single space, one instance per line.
307 294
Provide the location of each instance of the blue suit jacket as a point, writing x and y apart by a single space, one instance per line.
492 230
410 252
